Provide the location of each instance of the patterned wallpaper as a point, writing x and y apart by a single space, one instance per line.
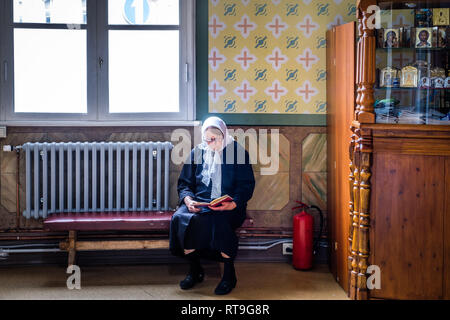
269 56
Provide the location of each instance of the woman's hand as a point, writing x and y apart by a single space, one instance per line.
190 204
226 206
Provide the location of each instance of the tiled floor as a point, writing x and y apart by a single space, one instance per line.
273 281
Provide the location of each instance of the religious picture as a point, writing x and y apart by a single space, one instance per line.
425 82
442 37
424 37
441 16
438 83
437 72
409 77
424 17
388 76
447 82
437 76
391 38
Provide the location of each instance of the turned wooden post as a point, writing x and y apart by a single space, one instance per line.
364 223
366 64
358 66
366 149
351 181
360 154
355 220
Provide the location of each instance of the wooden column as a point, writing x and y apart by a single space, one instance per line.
364 211
358 67
361 154
366 64
355 219
351 181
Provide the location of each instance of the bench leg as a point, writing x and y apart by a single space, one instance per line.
72 249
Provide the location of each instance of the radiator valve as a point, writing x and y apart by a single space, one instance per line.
3 254
8 148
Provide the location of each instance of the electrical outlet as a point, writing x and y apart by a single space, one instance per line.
287 248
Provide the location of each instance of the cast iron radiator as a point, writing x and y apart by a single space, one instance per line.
96 177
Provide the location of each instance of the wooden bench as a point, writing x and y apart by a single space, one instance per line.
151 221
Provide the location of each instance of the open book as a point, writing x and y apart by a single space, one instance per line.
216 202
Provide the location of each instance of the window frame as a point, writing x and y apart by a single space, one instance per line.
97 77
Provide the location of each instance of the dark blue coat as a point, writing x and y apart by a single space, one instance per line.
208 230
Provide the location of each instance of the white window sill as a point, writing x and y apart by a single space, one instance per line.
122 123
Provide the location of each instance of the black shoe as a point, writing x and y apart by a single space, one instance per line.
225 286
192 279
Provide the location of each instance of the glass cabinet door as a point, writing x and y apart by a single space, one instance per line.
412 63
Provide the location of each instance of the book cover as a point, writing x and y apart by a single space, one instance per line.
216 202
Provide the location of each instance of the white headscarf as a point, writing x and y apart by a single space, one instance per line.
212 160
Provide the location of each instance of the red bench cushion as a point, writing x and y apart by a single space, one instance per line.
103 221
109 221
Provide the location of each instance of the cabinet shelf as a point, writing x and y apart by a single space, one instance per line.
411 89
415 49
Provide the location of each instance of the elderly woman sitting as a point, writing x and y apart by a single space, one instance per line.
216 167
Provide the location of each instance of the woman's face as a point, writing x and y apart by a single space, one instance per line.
213 138
391 37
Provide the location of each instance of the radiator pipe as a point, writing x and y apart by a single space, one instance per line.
63 237
18 189
8 251
265 235
257 247
30 245
11 230
260 243
27 248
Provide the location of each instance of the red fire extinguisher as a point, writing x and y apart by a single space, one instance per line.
303 244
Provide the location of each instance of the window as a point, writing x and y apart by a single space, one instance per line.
97 60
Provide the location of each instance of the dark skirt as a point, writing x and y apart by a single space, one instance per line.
210 232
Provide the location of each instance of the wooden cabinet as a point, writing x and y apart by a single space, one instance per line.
409 230
388 184
340 94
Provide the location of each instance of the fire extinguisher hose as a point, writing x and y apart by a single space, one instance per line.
317 240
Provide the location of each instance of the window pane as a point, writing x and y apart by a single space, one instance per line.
144 71
50 69
144 12
50 11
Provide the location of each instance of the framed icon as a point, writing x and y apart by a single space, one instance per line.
391 38
438 82
447 82
437 72
425 82
423 17
442 37
388 76
409 77
424 37
441 16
